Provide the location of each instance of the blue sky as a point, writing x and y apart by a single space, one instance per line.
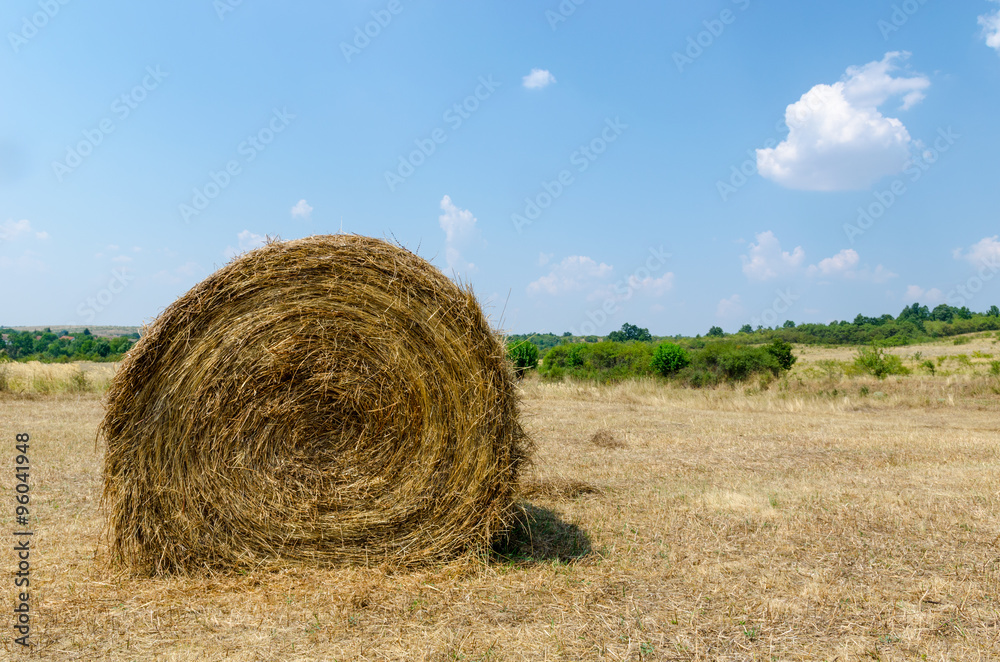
580 163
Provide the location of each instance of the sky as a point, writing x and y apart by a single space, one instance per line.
580 164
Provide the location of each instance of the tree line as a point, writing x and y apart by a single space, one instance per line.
915 324
50 347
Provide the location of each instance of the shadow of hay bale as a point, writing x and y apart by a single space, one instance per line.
557 488
540 535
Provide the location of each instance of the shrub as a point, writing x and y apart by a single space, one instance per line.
875 361
929 366
524 356
668 358
726 361
995 368
782 352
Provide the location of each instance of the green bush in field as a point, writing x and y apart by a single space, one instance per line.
669 358
875 361
729 362
524 356
782 352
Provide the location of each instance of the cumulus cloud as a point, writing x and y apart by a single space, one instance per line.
837 137
301 209
11 230
991 28
845 265
839 264
461 233
915 293
984 252
573 274
731 307
765 259
538 79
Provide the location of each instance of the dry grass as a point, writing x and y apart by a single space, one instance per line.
736 525
333 399
47 378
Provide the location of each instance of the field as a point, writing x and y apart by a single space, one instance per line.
824 517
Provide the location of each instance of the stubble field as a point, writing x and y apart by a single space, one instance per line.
822 518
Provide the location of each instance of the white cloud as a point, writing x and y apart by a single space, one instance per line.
545 258
461 232
538 78
766 260
247 242
984 252
731 307
573 274
838 139
121 259
915 293
11 230
301 209
839 264
991 28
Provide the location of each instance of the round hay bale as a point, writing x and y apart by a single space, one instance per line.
334 399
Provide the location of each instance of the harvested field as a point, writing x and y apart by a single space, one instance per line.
734 525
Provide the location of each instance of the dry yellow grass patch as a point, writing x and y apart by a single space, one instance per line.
48 378
734 525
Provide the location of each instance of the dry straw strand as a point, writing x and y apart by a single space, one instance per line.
333 399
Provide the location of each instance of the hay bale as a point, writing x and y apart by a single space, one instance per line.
333 399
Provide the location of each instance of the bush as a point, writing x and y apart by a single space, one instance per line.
782 352
524 356
668 358
875 361
726 361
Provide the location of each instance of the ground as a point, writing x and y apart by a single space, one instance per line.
821 518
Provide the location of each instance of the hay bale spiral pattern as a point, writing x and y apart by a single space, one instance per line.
333 399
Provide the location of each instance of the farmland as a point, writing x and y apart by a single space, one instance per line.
823 517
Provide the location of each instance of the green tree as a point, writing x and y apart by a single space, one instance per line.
993 312
716 332
630 332
789 324
746 328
